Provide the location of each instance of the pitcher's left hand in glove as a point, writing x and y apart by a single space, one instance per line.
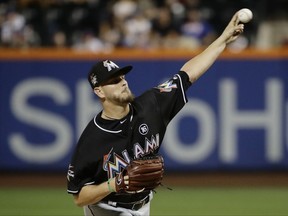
141 174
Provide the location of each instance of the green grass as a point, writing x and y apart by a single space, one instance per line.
181 201
221 202
36 202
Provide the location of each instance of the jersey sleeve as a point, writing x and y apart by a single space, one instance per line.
81 170
171 95
75 182
77 178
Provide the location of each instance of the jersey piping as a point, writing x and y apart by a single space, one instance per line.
109 131
89 183
182 89
76 191
73 192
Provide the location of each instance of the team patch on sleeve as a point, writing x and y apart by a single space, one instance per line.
168 85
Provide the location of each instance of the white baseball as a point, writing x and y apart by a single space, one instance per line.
245 15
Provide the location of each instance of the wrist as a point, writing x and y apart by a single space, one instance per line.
110 185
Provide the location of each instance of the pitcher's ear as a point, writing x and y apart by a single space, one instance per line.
99 92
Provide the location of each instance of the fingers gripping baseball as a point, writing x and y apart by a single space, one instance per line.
233 29
139 175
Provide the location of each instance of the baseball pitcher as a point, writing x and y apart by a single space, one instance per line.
116 165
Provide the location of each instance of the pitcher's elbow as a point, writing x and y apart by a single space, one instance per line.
78 202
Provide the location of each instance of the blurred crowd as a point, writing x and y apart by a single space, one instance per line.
96 25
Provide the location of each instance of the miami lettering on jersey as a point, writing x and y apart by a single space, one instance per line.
114 163
114 167
149 147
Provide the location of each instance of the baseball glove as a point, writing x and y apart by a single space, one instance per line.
141 174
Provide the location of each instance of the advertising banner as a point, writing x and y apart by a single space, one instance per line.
236 117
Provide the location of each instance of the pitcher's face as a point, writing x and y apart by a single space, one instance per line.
116 90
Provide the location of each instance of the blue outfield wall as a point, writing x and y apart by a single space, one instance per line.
236 117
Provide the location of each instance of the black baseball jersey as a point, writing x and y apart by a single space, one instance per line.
107 146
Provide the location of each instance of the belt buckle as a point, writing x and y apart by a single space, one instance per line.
136 206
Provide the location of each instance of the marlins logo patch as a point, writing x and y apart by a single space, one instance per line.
167 86
109 65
